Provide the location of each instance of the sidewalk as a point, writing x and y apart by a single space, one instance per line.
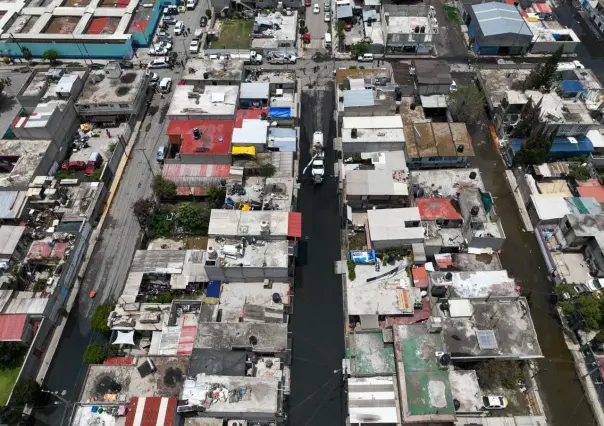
94 236
511 180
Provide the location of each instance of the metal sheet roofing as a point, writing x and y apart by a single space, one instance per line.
376 122
571 86
9 238
389 224
500 18
151 411
344 11
358 98
11 327
438 208
294 225
254 91
12 203
195 174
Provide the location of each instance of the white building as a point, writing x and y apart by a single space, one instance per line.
372 134
394 227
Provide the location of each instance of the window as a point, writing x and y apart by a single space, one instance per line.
124 106
85 106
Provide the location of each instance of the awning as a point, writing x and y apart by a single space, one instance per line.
124 338
244 150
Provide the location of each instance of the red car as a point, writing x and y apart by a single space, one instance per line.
347 26
73 165
307 3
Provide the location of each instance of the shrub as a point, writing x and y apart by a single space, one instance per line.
25 391
97 353
351 270
6 60
100 317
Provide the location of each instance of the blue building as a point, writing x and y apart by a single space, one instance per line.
563 147
498 29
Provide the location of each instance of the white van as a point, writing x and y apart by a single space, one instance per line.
327 40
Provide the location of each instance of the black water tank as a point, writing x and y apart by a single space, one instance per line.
445 359
444 306
456 404
472 175
460 148
253 340
474 211
448 276
276 298
438 291
206 75
353 133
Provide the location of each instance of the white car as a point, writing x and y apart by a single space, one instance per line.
494 402
365 57
316 9
157 50
165 84
179 28
165 44
194 46
153 76
327 17
159 63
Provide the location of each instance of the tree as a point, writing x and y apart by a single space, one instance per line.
535 149
267 170
10 353
359 49
590 310
97 353
192 219
163 188
579 172
51 55
494 374
99 318
466 104
25 391
143 210
598 339
529 119
209 13
11 415
27 55
544 73
216 197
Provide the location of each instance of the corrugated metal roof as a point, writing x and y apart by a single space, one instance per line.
9 238
500 18
11 327
294 225
378 122
27 302
344 11
196 174
358 98
151 411
12 203
254 91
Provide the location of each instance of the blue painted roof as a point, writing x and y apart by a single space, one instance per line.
563 144
571 86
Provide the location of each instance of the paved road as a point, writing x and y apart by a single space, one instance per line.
317 397
317 27
120 238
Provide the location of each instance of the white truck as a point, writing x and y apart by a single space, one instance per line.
251 58
317 162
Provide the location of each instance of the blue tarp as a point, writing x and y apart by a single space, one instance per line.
571 86
280 112
214 289
563 147
363 256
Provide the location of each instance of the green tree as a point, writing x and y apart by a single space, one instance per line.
10 353
27 55
494 374
359 49
99 318
51 56
598 339
192 220
466 104
11 415
163 188
579 172
216 196
267 170
209 13
97 353
590 310
143 210
544 73
530 117
25 391
535 149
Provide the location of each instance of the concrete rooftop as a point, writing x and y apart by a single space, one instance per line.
445 182
99 88
262 254
243 300
26 155
476 284
370 354
211 101
268 338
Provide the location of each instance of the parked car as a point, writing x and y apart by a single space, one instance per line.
164 36
191 4
157 50
169 20
94 162
159 63
165 44
203 21
161 154
365 57
73 165
307 3
182 9
327 17
127 65
347 26
172 56
494 402
197 34
165 84
153 76
170 10
179 28
194 46
595 285
316 8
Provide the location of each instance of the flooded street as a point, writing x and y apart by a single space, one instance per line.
561 390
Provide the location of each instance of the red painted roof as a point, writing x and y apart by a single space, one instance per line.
542 7
151 411
437 208
216 136
420 276
591 188
294 225
122 360
249 114
40 250
11 327
443 261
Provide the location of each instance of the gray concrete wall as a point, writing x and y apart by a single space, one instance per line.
552 46
357 148
245 274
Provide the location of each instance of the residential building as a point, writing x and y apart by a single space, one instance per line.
595 11
264 224
372 134
199 141
409 28
432 77
498 29
584 232
386 184
254 95
213 71
206 103
549 209
376 101
434 145
45 85
112 94
392 228
275 32
24 159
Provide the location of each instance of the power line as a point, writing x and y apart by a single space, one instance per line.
336 375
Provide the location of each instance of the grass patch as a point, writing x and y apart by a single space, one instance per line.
452 14
234 34
8 377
